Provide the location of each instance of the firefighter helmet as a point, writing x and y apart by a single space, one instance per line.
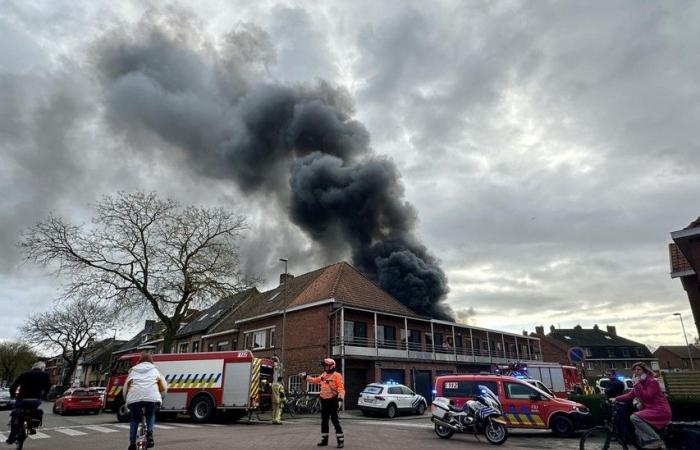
329 363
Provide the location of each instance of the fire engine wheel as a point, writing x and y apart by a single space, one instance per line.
202 409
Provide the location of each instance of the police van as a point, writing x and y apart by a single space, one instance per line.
524 405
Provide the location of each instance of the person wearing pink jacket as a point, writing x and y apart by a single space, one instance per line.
654 413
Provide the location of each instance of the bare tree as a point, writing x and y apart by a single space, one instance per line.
15 358
69 329
145 252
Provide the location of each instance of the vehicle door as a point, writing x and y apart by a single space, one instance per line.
410 398
524 406
394 395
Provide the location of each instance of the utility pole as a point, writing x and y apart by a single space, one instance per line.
687 346
284 321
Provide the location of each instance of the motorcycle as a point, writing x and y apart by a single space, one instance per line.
483 415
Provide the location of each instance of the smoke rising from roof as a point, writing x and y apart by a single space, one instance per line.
215 102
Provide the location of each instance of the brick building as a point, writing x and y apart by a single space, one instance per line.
604 349
677 357
684 256
337 311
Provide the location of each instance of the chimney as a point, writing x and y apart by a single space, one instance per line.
612 331
595 327
285 277
525 333
539 331
149 324
552 329
578 327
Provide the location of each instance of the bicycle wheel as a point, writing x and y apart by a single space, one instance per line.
600 438
23 433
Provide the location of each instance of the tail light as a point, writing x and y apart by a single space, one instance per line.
379 397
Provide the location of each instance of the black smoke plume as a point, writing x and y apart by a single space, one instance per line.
216 103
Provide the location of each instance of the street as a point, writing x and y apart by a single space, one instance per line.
89 432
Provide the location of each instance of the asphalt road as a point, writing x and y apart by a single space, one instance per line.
78 432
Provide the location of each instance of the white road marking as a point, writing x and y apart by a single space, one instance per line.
100 429
39 435
70 432
164 427
186 425
121 425
398 424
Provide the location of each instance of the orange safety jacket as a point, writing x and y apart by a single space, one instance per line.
331 385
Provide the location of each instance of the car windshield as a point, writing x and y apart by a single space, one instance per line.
372 390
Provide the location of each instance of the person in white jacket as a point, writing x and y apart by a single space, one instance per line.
143 391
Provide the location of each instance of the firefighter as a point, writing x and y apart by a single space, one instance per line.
332 394
278 399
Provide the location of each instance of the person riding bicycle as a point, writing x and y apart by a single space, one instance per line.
143 390
615 386
655 411
332 394
28 390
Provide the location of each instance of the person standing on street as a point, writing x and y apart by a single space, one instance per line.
332 394
278 399
143 390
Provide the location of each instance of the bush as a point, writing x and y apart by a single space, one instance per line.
683 408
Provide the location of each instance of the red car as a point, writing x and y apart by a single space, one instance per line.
78 399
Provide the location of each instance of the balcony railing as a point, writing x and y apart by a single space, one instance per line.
361 346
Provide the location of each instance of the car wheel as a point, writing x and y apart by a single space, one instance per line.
364 413
421 409
54 409
201 409
391 411
562 426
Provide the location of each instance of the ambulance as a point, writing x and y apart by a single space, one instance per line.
524 405
200 384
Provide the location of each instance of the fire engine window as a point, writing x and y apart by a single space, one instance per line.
517 391
465 388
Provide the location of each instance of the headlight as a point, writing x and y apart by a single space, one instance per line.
581 409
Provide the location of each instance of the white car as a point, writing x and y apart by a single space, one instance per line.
390 399
602 384
540 385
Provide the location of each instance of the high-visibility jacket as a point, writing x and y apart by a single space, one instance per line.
277 392
331 385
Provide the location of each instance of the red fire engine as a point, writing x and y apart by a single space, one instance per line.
199 383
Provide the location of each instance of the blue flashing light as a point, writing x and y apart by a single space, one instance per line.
621 378
434 392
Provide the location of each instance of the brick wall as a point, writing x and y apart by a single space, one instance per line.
669 360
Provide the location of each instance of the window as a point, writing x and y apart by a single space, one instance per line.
211 347
183 348
259 339
294 383
429 338
588 352
386 335
360 329
568 338
272 337
638 351
222 346
517 391
195 346
414 336
438 339
611 352
626 352
395 390
313 388
459 342
406 391
611 364
373 390
465 388
628 365
390 333
349 330
589 365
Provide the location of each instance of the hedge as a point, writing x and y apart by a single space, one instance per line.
683 408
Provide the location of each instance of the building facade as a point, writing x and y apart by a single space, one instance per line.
604 350
677 357
684 256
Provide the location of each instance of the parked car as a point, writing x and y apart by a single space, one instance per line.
602 384
103 393
5 401
524 405
390 399
78 400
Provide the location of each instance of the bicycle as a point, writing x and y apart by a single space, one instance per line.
142 435
611 435
29 424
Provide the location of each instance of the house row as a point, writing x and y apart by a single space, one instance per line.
336 311
603 349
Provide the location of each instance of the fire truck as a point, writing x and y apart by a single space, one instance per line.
560 380
199 384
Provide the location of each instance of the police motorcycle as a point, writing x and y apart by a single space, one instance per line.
483 415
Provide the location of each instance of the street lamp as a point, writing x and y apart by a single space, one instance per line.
284 319
690 355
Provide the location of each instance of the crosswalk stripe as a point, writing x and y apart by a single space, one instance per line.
39 435
164 427
122 426
186 425
100 429
70 432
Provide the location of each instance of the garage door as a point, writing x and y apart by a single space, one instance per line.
424 384
393 375
355 382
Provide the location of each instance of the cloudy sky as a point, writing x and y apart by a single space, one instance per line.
546 147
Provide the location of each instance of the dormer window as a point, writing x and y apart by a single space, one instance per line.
568 338
608 337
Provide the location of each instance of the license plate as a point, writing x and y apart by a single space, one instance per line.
85 401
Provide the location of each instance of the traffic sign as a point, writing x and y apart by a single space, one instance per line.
576 354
